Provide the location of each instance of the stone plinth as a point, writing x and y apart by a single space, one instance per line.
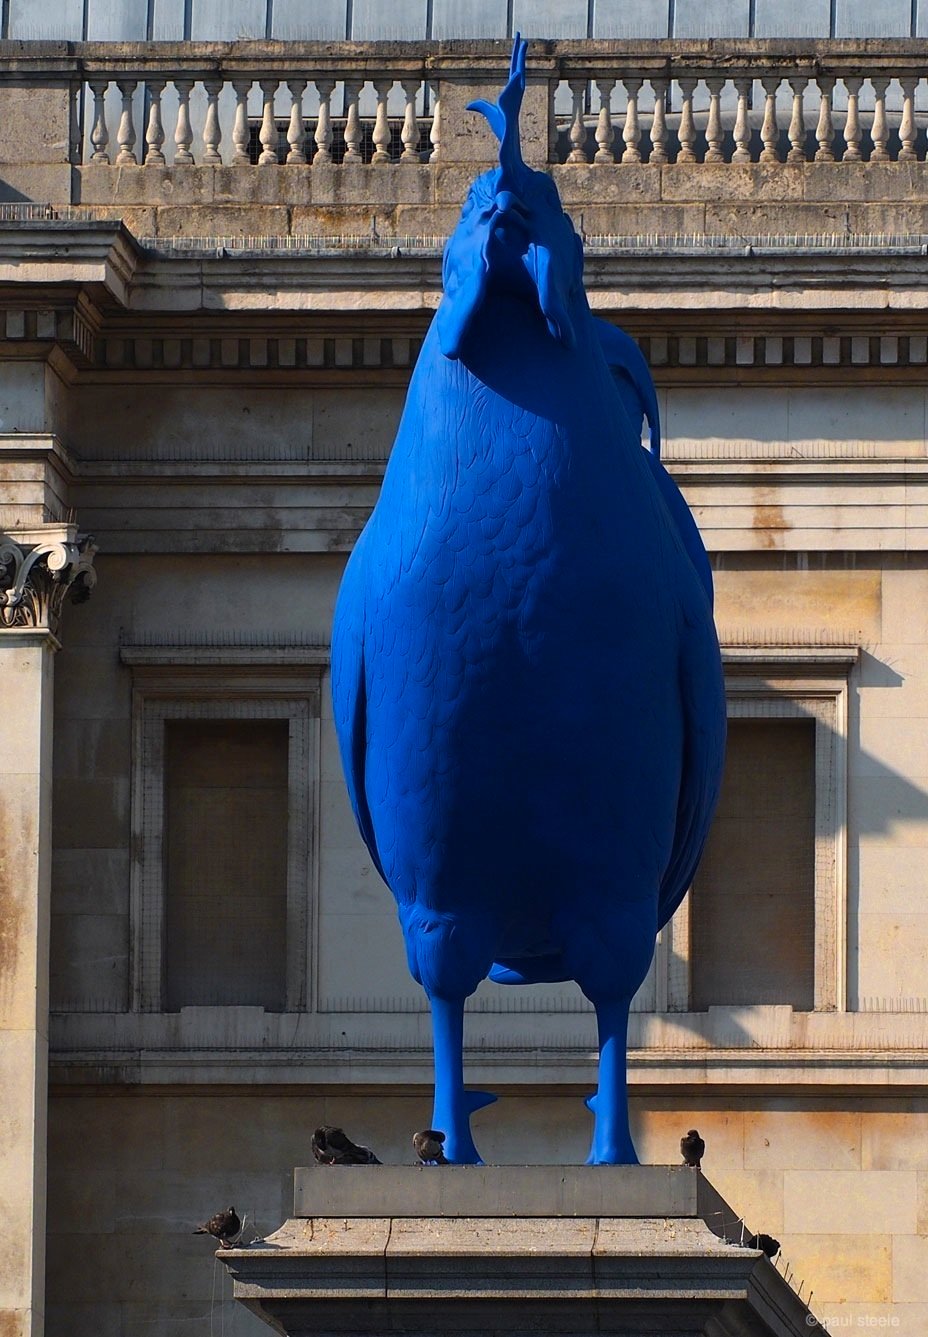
624 1249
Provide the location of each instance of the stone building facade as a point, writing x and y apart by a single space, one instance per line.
217 262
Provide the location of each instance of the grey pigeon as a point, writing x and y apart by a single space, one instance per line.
692 1148
224 1227
766 1243
333 1146
428 1145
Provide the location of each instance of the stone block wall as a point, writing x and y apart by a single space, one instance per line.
678 199
796 561
842 1183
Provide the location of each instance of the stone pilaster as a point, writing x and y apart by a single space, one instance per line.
38 568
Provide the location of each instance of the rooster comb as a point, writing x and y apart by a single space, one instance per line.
503 115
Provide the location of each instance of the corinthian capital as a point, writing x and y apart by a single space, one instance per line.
37 570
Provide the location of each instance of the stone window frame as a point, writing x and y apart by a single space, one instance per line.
244 683
788 682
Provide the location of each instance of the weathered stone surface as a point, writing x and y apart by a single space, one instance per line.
796 1140
89 961
599 187
837 1201
37 124
39 183
755 1196
500 1190
847 1267
25 758
625 1271
847 601
468 138
223 220
789 218
863 181
910 1269
877 217
750 183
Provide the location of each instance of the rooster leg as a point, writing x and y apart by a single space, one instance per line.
453 1105
612 1139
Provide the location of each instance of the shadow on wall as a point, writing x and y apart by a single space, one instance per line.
10 195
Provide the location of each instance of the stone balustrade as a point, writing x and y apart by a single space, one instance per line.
743 102
604 103
288 116
270 139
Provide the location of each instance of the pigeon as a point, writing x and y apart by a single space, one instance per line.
766 1243
224 1227
333 1146
428 1145
692 1148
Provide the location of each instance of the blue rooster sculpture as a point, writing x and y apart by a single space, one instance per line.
525 671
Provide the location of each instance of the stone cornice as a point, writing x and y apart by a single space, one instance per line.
87 252
778 282
374 1043
812 1072
82 250
103 308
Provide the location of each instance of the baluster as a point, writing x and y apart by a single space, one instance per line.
183 135
714 132
125 135
770 131
604 131
658 155
381 136
296 130
577 127
353 121
240 156
75 148
741 125
323 135
552 120
268 132
410 131
852 121
99 135
212 131
878 131
907 123
687 132
435 130
825 130
631 132
797 125
154 131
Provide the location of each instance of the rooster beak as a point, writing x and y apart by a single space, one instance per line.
508 203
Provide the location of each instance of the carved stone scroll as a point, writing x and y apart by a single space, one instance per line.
35 579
